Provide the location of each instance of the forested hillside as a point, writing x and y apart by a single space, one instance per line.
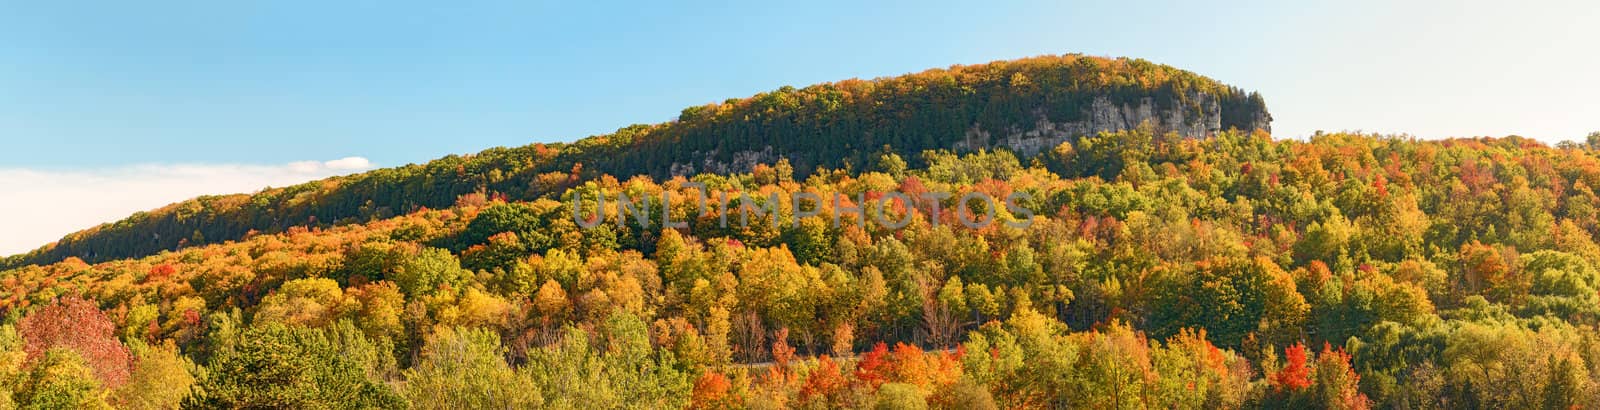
836 125
1158 271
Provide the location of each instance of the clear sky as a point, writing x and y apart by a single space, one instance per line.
97 98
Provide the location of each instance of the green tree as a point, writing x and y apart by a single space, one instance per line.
900 396
1231 299
1029 362
619 370
160 380
428 270
277 366
11 360
61 380
464 368
890 163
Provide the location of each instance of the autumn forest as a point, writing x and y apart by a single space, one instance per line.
1155 270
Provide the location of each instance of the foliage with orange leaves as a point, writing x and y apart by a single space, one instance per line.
1294 375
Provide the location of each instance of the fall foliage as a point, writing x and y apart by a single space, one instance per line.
1158 272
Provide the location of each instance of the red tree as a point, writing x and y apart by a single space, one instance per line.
79 325
711 392
874 367
824 382
1294 375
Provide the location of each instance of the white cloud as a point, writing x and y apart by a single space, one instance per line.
40 206
348 163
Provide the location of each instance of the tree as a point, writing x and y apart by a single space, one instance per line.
61 380
463 368
1194 373
810 241
1336 383
899 396
619 370
1326 240
1115 369
1295 374
312 302
277 366
1490 271
11 362
428 270
380 306
890 163
522 221
1230 298
552 303
1562 284
1347 306
76 324
711 391
160 380
502 252
966 394
1021 359
825 384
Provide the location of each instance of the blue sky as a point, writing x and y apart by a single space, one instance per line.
109 88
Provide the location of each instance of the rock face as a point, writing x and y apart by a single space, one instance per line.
1105 116
1200 119
743 161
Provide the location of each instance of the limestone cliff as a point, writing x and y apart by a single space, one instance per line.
1105 116
1201 116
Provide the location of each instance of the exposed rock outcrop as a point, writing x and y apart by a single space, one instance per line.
1202 119
741 161
1105 116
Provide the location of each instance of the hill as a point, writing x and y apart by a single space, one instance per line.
1148 253
1158 271
1026 106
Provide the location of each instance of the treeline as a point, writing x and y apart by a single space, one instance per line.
1237 271
833 125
